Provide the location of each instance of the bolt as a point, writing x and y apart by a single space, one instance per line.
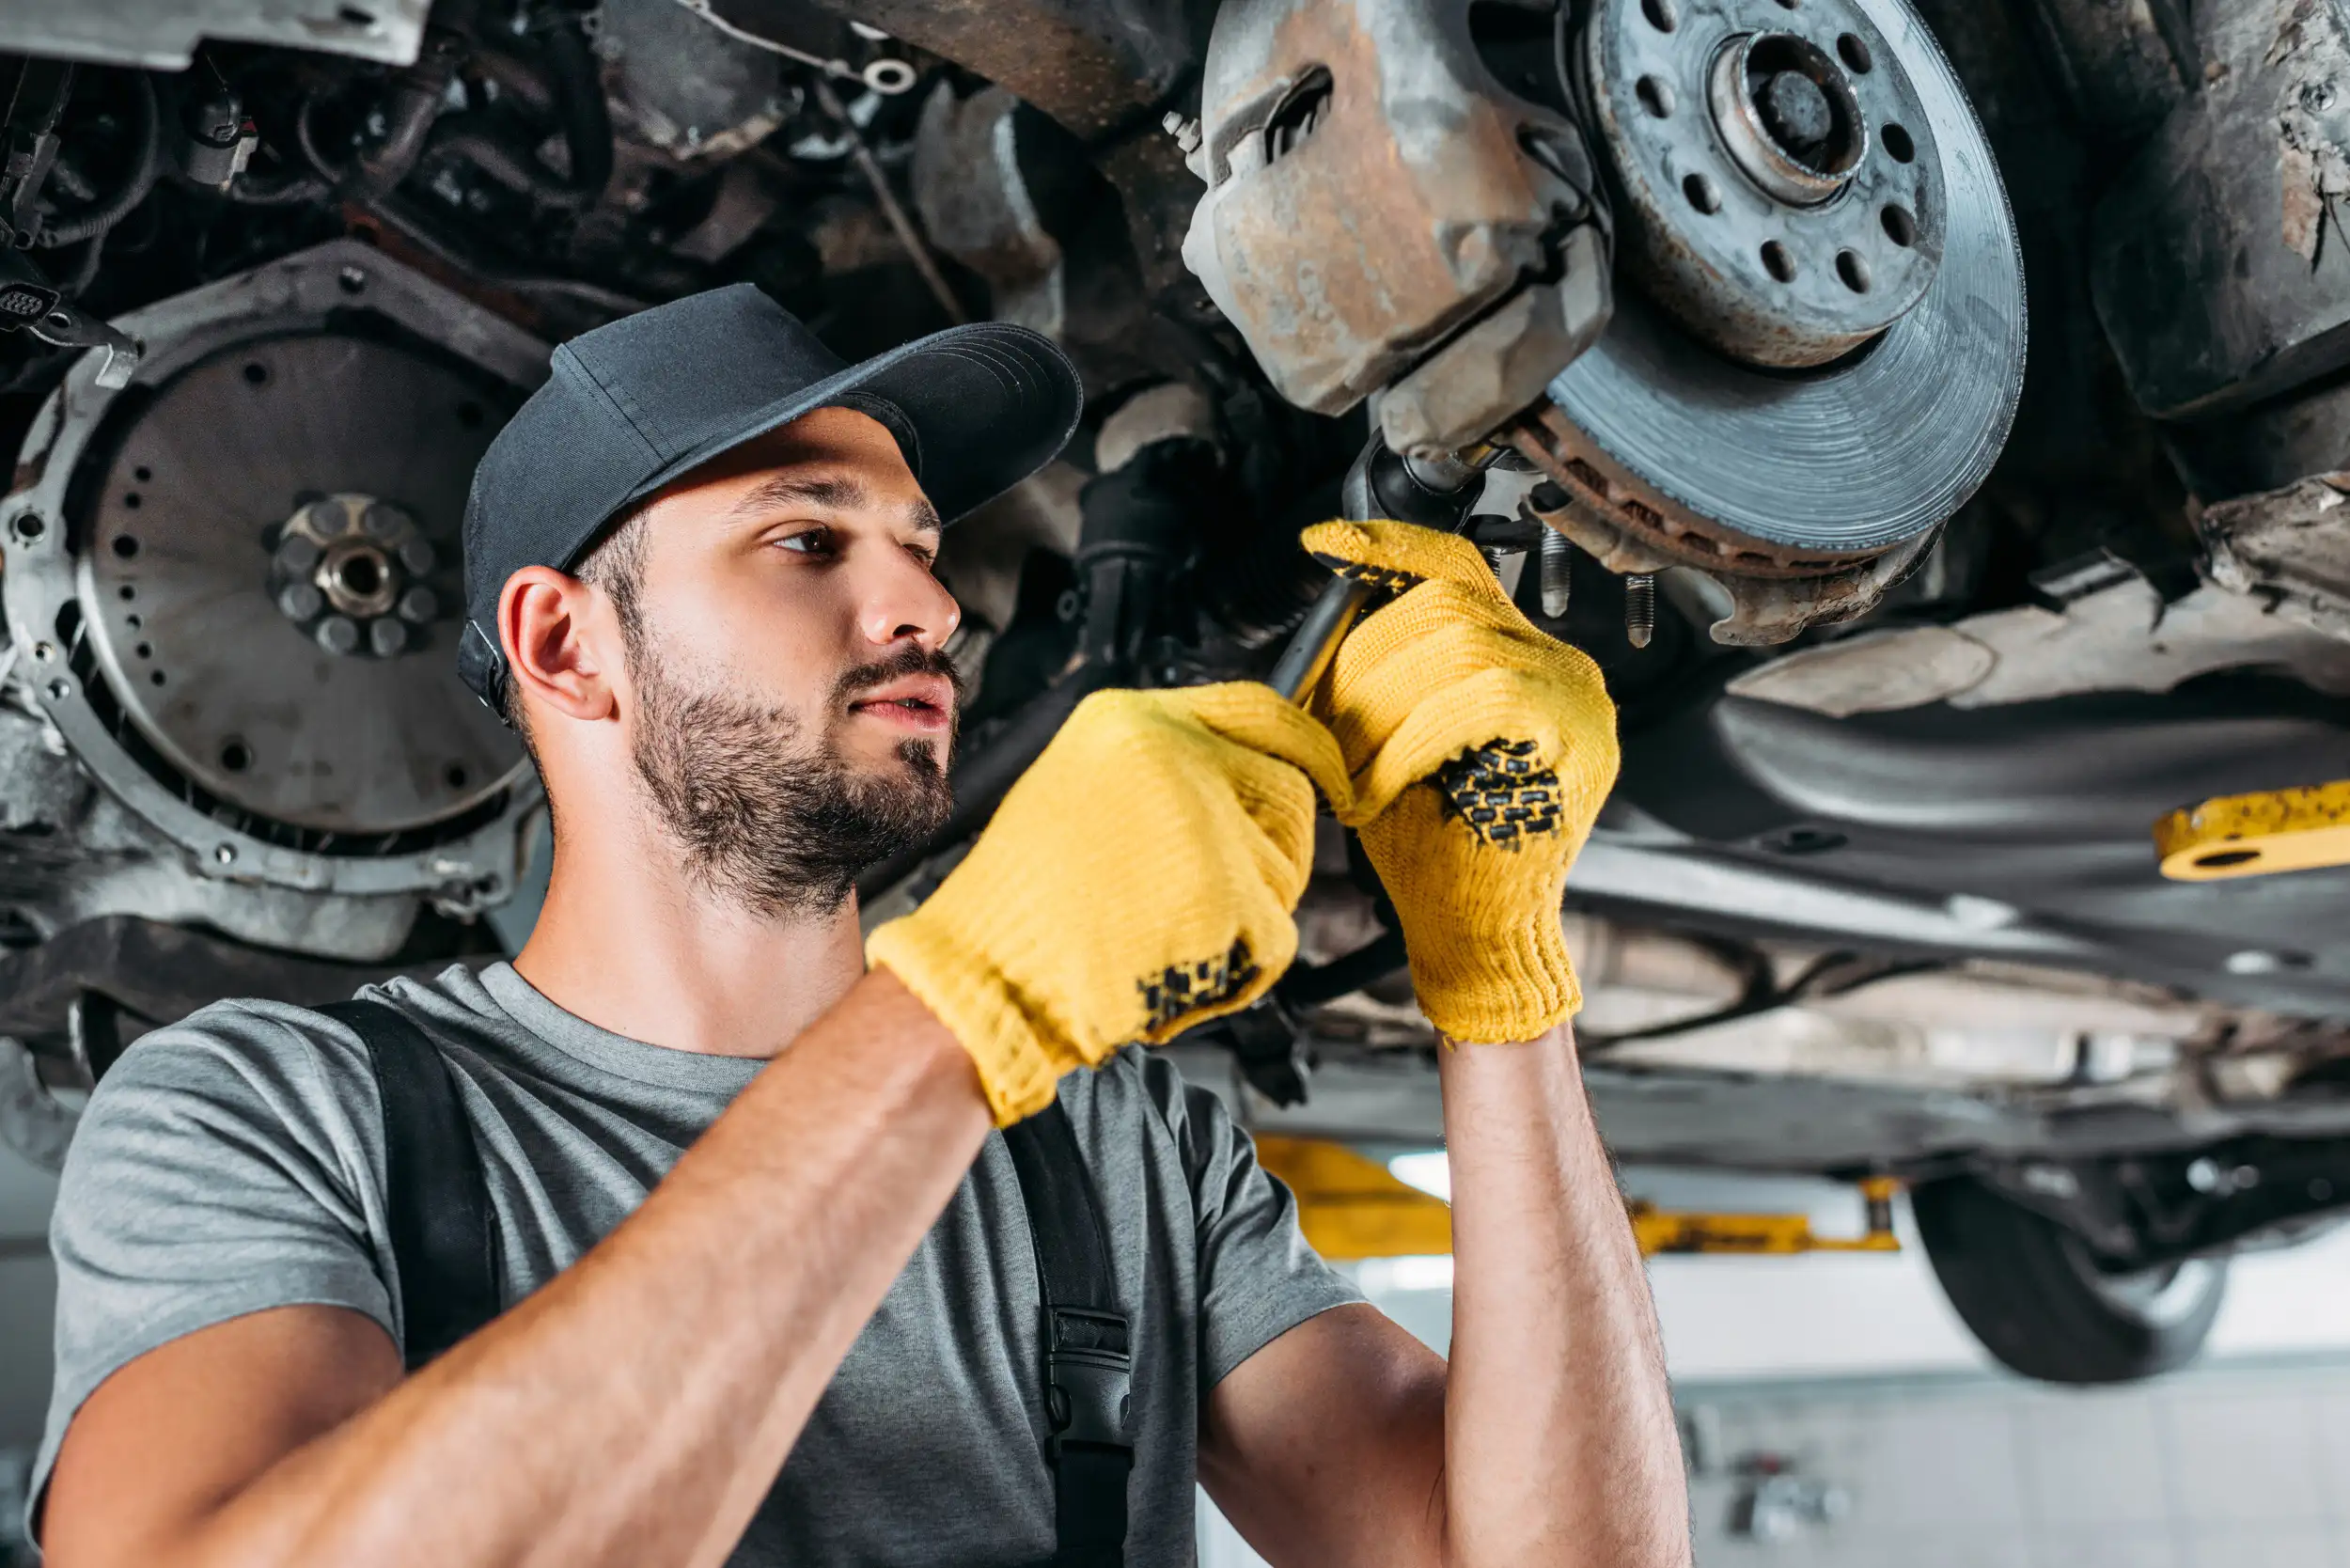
380 521
2321 1190
1185 132
419 605
225 855
339 634
2318 97
386 637
416 554
298 554
2203 1175
300 601
1639 608
1558 574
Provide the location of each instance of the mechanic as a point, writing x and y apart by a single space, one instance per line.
768 1284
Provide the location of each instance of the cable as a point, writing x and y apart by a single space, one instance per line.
899 223
1820 978
141 180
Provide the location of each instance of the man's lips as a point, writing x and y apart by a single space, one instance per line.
925 703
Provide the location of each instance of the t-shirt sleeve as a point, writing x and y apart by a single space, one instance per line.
219 1169
1257 1278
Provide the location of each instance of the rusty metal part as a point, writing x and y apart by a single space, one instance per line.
1399 197
1772 597
1782 186
2214 268
2289 545
1803 494
1106 69
975 202
1631 526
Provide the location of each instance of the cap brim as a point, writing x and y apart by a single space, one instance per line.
975 409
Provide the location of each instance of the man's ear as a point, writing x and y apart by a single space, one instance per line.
562 646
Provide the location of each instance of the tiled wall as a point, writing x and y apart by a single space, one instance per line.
2222 1467
2232 1465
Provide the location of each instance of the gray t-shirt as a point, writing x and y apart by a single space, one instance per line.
234 1162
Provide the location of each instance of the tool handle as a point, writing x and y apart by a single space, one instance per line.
1380 484
1316 638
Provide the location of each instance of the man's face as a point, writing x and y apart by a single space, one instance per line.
793 713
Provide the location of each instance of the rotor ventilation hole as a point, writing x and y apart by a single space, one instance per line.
1897 142
256 373
1779 262
145 650
235 755
1654 96
1853 268
1900 227
130 498
142 474
1661 14
1855 54
1703 193
455 775
126 546
127 591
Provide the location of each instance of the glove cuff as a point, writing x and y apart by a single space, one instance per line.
1507 987
1018 1070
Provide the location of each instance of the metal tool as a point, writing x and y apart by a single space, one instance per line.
1435 493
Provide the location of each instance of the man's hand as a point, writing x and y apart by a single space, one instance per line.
1138 879
1480 751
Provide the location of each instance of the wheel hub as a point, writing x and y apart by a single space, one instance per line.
1784 186
349 571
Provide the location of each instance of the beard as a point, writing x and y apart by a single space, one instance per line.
770 818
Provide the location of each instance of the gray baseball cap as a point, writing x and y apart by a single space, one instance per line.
633 404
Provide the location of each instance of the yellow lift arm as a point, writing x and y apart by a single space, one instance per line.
2256 835
1351 1207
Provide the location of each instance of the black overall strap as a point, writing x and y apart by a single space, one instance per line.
1088 1348
436 1200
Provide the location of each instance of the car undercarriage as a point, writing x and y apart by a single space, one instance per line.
1916 638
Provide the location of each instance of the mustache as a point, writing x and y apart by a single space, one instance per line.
913 659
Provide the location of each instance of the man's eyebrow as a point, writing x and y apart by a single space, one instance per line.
781 492
834 492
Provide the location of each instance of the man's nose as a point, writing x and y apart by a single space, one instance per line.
906 602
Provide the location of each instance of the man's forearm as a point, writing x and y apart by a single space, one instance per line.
635 1409
1560 1441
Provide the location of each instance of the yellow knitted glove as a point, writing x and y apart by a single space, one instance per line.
1138 879
1480 751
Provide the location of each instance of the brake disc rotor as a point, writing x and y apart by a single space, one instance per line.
272 583
1798 175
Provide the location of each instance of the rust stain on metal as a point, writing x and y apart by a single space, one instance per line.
1365 240
1644 525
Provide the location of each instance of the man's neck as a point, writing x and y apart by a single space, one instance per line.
628 943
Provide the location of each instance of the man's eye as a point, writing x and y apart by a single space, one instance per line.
811 541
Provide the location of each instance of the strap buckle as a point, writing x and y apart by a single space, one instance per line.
1088 1377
